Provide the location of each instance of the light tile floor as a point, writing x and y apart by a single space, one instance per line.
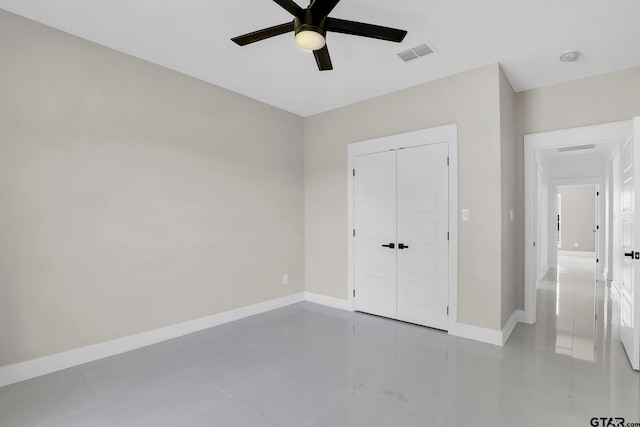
307 365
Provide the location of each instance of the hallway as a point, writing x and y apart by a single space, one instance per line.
578 329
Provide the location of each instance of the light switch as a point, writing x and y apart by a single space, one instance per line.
466 215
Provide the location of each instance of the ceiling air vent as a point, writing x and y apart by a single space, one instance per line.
577 147
416 52
407 55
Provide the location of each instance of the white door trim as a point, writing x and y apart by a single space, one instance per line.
599 183
446 133
598 134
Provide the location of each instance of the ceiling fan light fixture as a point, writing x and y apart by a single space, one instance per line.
309 39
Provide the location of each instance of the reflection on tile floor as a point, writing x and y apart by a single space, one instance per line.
308 365
567 298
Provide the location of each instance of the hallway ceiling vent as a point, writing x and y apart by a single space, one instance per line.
416 52
577 147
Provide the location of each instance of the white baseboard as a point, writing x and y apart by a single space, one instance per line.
543 271
462 330
339 303
490 336
577 253
476 333
527 317
516 316
17 372
486 335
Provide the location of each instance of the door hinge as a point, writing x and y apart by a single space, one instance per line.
354 293
597 193
597 227
534 244
447 310
354 232
597 260
354 172
447 160
447 235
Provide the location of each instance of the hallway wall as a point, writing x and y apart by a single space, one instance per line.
574 169
577 218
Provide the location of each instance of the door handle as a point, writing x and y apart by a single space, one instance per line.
402 246
390 245
629 254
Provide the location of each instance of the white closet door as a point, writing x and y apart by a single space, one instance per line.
375 225
422 209
630 297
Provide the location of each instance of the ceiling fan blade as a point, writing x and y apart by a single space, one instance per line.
265 33
365 30
322 8
323 59
291 7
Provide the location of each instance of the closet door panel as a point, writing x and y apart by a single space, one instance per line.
375 224
422 227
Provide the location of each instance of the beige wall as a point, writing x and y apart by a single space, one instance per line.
471 100
134 197
605 98
578 218
510 282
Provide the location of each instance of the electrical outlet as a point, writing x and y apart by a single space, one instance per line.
285 279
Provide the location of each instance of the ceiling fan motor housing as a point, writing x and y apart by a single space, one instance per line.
308 23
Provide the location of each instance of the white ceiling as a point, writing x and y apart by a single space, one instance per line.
192 36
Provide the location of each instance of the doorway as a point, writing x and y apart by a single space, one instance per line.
572 166
577 228
567 295
592 138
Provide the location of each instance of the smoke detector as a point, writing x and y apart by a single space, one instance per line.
571 55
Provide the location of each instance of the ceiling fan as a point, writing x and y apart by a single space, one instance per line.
311 25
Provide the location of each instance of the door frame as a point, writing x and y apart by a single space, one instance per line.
599 183
597 134
441 134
